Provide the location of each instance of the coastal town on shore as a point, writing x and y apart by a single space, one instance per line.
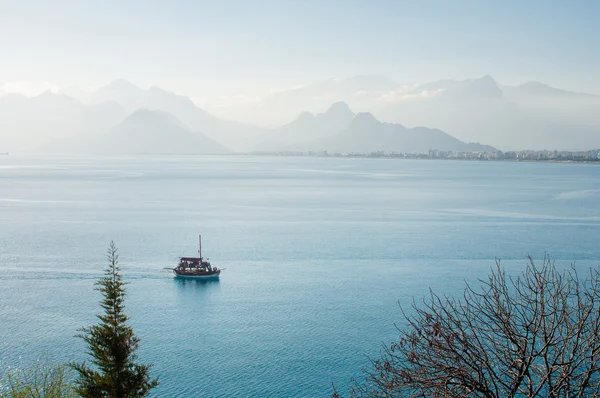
592 155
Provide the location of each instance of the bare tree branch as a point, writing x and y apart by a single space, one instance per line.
533 335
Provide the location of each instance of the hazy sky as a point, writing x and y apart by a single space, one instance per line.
213 48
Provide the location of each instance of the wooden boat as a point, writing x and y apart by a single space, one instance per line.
196 267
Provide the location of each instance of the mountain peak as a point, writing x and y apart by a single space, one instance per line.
153 117
153 131
50 98
365 118
339 107
472 89
486 82
305 117
533 83
145 112
487 79
47 94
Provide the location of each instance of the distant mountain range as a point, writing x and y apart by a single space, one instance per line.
121 117
30 124
341 130
367 134
230 133
529 116
307 129
118 118
154 132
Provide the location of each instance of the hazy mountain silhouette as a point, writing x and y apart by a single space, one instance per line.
537 90
529 116
30 124
307 128
123 92
154 132
131 97
367 134
340 130
100 117
484 88
77 93
360 92
532 115
59 122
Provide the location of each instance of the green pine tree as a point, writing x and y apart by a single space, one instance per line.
112 346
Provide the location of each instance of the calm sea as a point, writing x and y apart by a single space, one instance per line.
319 254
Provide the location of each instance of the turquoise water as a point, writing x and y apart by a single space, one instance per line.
319 252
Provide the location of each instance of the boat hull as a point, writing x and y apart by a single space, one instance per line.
192 276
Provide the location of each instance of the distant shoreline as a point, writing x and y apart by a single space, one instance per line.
331 156
423 157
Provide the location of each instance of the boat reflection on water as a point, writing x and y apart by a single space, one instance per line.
195 282
193 291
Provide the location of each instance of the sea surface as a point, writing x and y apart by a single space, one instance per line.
319 254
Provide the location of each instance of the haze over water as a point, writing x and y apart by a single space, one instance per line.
318 252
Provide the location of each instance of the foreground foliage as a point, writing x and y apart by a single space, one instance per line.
43 380
112 346
535 335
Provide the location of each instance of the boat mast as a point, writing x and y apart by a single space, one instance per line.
200 245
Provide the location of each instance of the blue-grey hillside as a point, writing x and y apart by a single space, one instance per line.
366 134
484 88
232 134
341 130
540 90
53 122
529 116
41 122
154 132
307 128
360 92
